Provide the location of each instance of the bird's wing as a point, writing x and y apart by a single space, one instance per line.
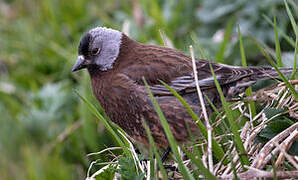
224 74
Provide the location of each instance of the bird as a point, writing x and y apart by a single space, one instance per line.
117 65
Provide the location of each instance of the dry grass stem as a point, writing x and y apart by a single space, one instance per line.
260 161
209 128
256 173
104 150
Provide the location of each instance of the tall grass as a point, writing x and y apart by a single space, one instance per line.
244 64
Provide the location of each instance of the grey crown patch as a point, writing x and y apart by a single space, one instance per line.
110 46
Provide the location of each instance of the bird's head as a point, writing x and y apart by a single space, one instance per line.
99 47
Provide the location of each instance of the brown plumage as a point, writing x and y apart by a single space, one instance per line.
117 65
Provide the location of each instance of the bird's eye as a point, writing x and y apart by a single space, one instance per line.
95 51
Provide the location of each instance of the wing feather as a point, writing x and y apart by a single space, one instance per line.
224 74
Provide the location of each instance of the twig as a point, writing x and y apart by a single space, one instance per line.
148 171
62 136
102 151
97 172
256 173
209 128
228 169
260 161
285 145
69 130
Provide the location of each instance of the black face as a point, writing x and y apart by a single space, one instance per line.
84 45
83 53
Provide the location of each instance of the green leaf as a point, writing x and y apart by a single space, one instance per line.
107 174
128 170
294 148
275 127
270 112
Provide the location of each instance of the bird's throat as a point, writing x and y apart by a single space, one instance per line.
93 69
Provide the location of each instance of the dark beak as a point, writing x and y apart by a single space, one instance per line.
80 64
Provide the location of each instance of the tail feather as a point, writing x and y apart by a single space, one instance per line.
257 73
263 73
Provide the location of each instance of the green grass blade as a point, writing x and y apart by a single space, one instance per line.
238 142
221 128
277 45
190 111
269 54
152 165
293 76
195 150
92 108
295 6
283 34
218 151
221 52
133 153
244 64
199 163
212 105
169 134
153 146
155 11
202 54
125 144
284 79
233 167
166 40
273 160
292 19
243 58
295 29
